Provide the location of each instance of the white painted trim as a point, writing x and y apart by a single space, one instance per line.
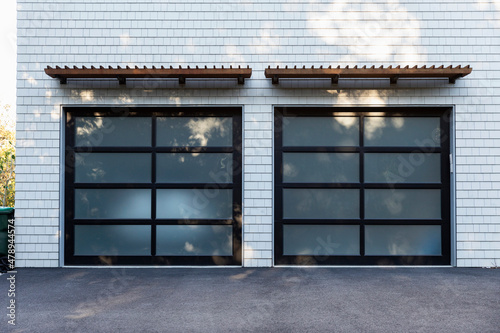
62 163
453 189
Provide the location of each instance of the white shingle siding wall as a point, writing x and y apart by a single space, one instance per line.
259 33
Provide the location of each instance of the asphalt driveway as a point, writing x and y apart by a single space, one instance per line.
253 300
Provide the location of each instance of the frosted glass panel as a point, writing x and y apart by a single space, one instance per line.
402 131
194 168
402 168
113 131
112 168
402 240
110 240
320 204
194 240
194 131
112 204
320 168
402 204
321 240
194 204
320 131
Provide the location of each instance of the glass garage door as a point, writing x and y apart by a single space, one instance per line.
148 186
362 186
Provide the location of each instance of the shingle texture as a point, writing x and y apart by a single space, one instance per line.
258 34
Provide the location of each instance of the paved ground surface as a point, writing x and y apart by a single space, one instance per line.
254 300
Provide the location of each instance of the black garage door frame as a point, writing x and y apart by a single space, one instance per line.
70 259
444 149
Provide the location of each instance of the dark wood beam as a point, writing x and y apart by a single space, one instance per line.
392 73
63 74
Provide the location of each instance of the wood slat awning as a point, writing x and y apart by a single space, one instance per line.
392 73
122 74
